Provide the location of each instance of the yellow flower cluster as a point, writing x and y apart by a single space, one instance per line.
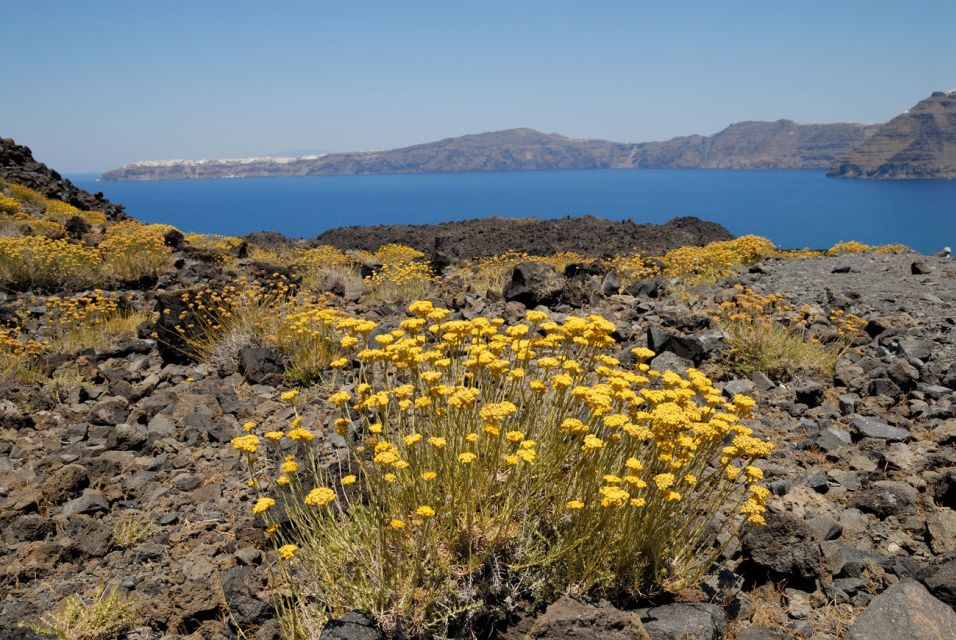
717 259
8 205
132 250
223 247
62 212
39 262
493 438
399 282
397 254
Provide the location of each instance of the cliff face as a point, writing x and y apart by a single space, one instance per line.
920 143
18 165
762 145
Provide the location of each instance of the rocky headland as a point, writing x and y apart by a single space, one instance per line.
116 468
917 144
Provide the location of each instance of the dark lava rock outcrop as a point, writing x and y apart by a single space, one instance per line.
494 236
18 165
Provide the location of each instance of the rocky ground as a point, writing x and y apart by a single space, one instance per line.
863 522
860 540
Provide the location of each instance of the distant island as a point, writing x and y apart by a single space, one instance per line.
920 143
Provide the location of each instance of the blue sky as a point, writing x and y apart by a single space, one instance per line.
90 85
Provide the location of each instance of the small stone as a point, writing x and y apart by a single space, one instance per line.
825 527
920 267
110 411
354 625
871 428
941 531
89 502
886 498
684 622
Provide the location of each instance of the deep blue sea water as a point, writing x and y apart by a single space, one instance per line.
801 208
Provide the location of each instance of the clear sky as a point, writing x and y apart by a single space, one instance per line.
90 85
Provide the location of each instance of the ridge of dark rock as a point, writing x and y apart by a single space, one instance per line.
18 165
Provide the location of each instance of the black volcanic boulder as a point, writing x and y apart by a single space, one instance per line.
533 284
786 545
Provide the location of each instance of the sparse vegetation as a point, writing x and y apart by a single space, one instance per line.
132 529
104 618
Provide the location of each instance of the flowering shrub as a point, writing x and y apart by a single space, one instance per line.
17 350
95 320
767 333
398 283
305 333
9 205
216 323
397 254
632 268
40 262
26 194
62 212
22 224
492 273
223 246
717 259
132 250
491 462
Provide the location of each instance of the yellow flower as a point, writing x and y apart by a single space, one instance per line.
262 505
592 442
425 511
428 476
528 455
512 459
753 473
282 481
340 397
575 504
375 428
287 551
249 426
349 479
320 496
396 524
412 439
466 458
273 435
247 444
634 464
289 466
514 436
302 434
339 363
390 478
290 395
664 481
437 442
472 437
296 421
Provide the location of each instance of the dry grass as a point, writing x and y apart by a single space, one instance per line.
104 618
776 350
133 529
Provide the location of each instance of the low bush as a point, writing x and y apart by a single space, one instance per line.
17 353
699 265
399 283
307 335
89 321
105 618
766 333
8 205
491 463
44 263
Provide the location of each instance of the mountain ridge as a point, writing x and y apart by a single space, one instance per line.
780 144
918 143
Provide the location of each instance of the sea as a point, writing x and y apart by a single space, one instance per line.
793 208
